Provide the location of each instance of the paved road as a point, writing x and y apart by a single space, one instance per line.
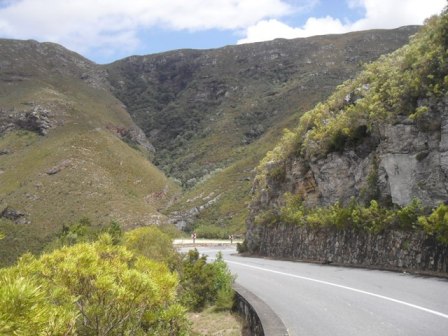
326 300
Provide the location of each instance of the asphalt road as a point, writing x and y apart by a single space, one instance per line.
327 300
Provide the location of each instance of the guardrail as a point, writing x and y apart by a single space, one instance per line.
260 319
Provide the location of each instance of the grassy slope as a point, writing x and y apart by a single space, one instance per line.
103 178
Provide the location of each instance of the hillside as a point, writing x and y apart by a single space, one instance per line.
68 150
372 158
213 114
77 139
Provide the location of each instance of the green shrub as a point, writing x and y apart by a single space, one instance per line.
373 218
436 223
223 284
90 289
242 247
152 243
211 231
84 231
28 309
205 283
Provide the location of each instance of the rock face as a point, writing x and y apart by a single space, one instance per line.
403 160
38 119
182 219
17 216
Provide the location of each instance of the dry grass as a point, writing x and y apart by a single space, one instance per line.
212 323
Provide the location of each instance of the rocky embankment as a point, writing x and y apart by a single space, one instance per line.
403 160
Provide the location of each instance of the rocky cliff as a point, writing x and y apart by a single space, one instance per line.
381 137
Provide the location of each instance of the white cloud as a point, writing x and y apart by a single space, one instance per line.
110 26
271 29
84 25
391 14
378 14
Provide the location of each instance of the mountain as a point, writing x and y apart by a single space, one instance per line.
81 142
68 150
213 114
372 158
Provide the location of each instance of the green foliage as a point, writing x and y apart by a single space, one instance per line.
115 231
278 174
26 308
210 231
152 243
436 223
17 240
223 284
373 218
83 231
267 217
91 289
242 247
205 283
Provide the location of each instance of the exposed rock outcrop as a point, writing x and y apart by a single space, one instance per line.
404 160
38 119
184 218
133 136
16 216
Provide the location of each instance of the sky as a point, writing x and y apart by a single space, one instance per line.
108 30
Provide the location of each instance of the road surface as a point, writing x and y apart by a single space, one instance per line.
327 300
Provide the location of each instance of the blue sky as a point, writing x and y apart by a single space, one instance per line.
107 30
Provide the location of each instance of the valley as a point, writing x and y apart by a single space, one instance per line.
166 138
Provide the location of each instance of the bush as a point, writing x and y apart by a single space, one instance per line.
27 309
150 242
83 231
211 231
205 283
90 289
223 284
373 218
436 223
242 247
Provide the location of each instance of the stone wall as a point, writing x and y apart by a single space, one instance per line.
397 250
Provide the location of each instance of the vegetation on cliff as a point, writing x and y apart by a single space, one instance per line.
397 84
371 217
404 84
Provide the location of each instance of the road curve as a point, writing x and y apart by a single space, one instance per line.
326 300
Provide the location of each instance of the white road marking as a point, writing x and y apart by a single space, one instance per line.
344 287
